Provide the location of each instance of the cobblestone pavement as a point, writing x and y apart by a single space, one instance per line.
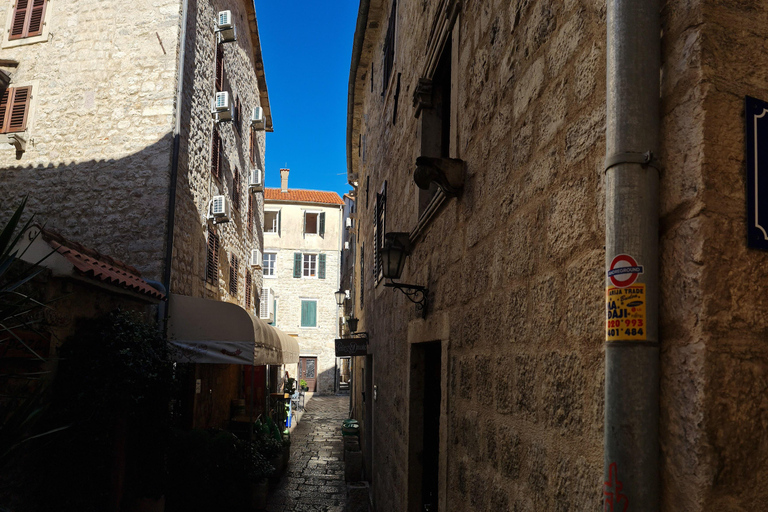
314 480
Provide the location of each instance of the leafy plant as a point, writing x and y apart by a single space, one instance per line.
303 383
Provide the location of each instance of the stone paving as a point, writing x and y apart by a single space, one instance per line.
314 480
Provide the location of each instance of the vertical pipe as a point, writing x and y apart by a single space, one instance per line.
632 203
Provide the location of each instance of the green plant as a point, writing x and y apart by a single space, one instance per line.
303 384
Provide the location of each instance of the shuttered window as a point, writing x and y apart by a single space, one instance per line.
250 214
253 146
216 153
389 49
362 274
233 268
212 257
236 189
379 225
219 68
321 266
297 260
28 16
14 107
248 289
309 313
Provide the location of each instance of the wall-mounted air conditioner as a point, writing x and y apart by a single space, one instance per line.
256 258
219 209
254 181
267 305
225 27
257 118
349 223
346 246
222 107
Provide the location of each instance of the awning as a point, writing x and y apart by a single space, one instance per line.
214 332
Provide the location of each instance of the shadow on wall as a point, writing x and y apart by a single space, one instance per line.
326 381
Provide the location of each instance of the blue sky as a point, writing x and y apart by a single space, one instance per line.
307 49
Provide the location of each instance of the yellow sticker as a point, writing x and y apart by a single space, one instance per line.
625 313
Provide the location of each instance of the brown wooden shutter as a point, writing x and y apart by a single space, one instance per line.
235 195
4 108
19 19
216 153
219 68
212 260
252 147
250 213
35 27
233 276
14 107
248 289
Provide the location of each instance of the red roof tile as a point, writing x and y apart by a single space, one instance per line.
302 196
98 266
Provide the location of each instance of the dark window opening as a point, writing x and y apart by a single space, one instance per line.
389 49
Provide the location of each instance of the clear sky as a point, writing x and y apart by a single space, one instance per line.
307 50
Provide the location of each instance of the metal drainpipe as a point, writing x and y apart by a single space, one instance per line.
631 464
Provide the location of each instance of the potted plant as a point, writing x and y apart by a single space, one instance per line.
303 385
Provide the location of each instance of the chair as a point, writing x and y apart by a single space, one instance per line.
295 404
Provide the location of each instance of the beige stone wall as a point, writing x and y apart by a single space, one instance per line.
98 155
289 291
196 184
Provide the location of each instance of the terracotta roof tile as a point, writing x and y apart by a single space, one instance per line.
302 196
93 264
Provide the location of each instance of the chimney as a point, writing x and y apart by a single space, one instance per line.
284 180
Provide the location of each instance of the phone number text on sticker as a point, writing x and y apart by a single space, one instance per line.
625 313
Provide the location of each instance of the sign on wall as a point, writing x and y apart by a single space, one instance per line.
756 114
351 347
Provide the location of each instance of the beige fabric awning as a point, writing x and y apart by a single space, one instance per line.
214 332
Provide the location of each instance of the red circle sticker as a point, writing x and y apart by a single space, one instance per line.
624 271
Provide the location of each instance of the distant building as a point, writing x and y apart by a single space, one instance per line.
302 249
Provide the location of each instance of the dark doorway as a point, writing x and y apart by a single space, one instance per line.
308 371
424 429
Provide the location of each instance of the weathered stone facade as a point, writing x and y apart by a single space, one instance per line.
289 291
515 264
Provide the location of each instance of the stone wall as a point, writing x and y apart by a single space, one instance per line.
98 156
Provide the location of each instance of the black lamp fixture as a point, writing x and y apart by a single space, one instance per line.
340 296
396 249
352 323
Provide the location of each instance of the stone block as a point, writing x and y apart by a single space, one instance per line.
353 466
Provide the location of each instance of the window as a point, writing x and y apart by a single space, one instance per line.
14 107
314 223
253 146
269 269
238 112
235 191
272 221
250 214
27 19
309 313
216 153
379 225
212 258
309 265
362 274
219 80
248 289
233 271
389 49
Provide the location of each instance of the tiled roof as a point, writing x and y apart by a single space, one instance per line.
302 196
103 268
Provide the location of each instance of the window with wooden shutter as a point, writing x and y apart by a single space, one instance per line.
252 147
321 221
219 68
250 214
389 49
238 116
362 274
321 266
236 189
379 225
216 153
14 108
297 264
212 257
248 289
28 16
233 264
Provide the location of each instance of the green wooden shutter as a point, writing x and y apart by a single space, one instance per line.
297 264
279 216
321 266
308 313
305 224
322 224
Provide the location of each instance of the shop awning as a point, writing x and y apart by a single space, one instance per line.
214 332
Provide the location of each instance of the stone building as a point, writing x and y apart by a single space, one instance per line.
495 400
302 247
108 125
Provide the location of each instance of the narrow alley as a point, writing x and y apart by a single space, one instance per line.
314 480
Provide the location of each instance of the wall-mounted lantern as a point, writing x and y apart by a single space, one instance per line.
396 249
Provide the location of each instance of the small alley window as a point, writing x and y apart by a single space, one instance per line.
14 109
216 153
272 221
236 190
379 225
270 259
389 49
219 78
248 282
233 275
212 257
309 313
250 214
314 223
27 19
309 265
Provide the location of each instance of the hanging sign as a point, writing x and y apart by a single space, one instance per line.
351 347
625 301
756 114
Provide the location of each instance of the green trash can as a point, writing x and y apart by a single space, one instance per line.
352 429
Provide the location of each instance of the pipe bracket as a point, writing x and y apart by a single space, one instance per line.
646 159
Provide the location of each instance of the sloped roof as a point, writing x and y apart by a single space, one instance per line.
302 196
90 263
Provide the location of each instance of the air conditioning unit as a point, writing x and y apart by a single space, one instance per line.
346 246
256 258
267 305
224 20
225 28
257 118
219 209
349 223
222 107
254 181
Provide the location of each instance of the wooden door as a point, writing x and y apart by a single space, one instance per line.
308 371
